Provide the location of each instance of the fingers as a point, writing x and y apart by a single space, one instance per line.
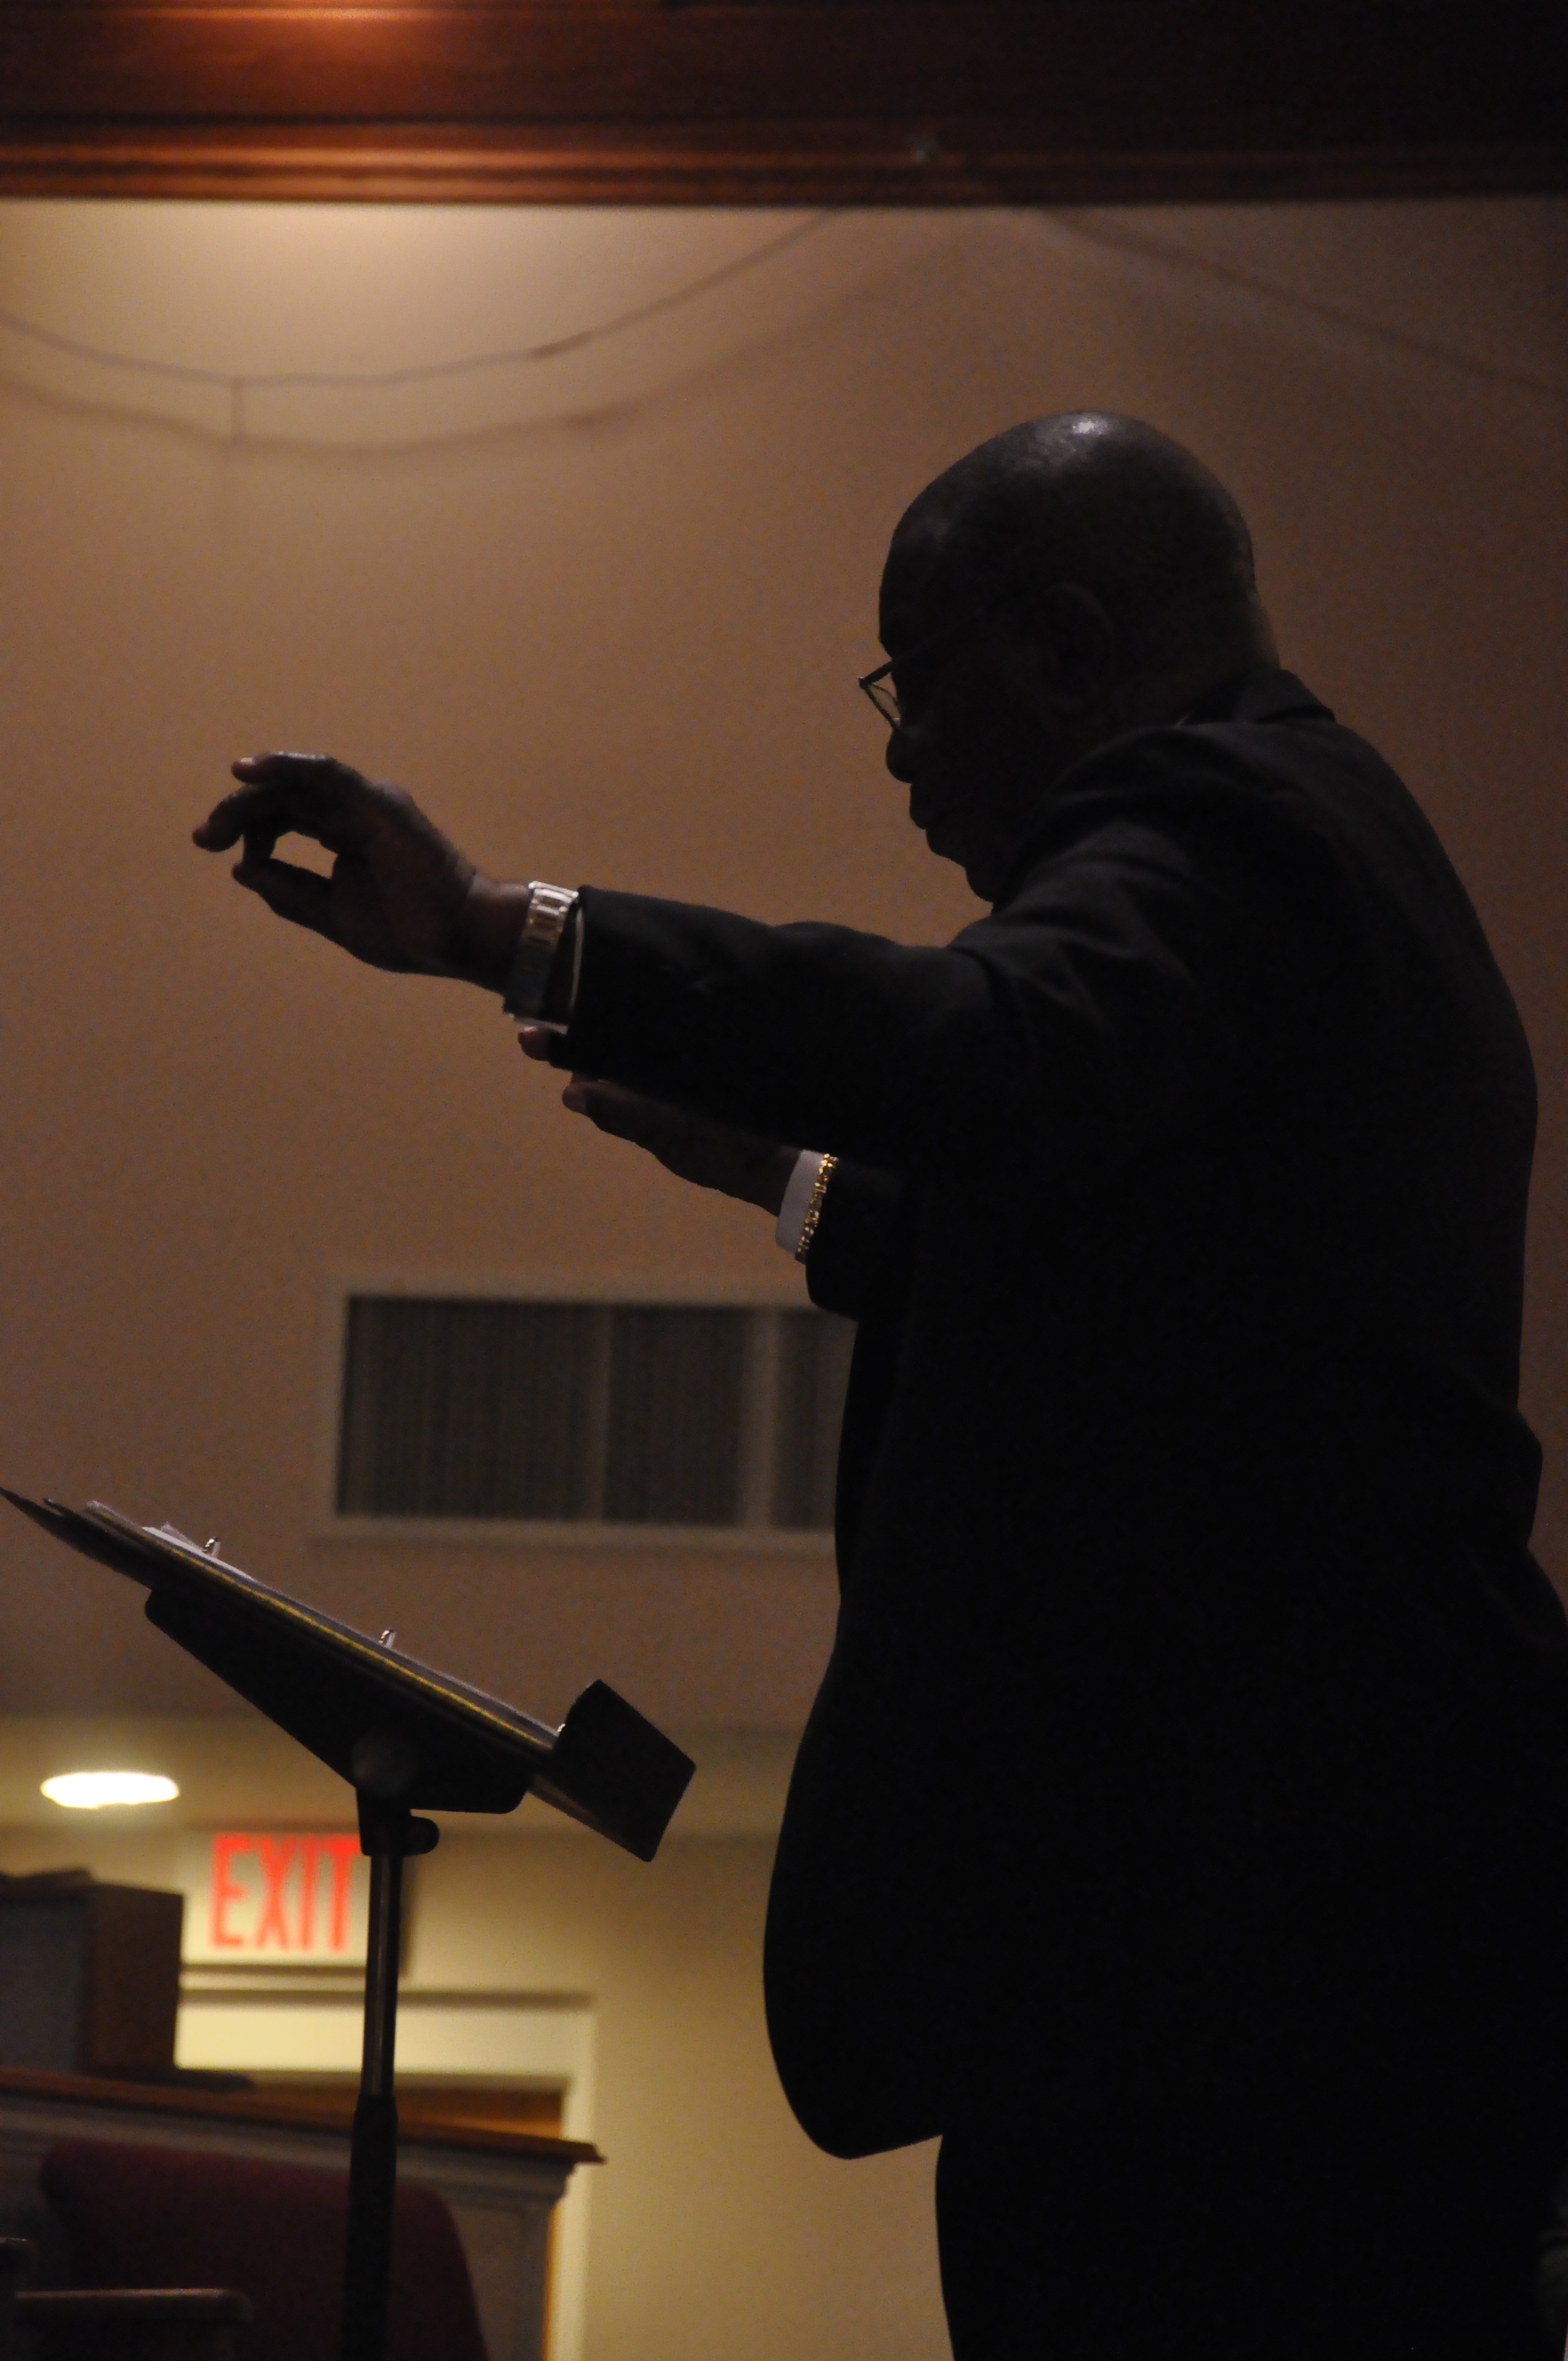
228 821
712 1155
625 1114
313 795
290 891
296 772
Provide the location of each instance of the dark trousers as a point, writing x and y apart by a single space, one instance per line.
1308 2229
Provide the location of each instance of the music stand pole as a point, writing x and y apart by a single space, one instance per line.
388 1834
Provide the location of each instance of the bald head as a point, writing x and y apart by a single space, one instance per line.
1118 509
1067 582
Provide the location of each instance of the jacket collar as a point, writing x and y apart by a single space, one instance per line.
1257 696
1248 698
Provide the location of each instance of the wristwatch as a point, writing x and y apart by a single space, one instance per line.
549 908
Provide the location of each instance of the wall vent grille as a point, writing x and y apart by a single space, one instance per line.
518 1412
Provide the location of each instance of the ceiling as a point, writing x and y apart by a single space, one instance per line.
780 102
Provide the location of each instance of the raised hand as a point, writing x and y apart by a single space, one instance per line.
400 895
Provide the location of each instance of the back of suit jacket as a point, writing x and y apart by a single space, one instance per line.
1194 1688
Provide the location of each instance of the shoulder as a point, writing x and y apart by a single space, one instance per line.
1270 745
1273 786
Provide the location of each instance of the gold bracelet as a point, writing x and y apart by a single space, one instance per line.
825 1172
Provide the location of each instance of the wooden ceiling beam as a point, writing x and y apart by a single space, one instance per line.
895 102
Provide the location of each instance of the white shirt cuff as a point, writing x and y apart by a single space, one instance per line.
797 1199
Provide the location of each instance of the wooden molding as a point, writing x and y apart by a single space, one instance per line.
823 101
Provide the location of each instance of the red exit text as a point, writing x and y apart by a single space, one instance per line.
287 1893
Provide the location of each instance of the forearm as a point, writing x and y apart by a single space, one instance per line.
804 1032
1063 1032
490 927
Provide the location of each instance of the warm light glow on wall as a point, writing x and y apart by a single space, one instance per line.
88 1791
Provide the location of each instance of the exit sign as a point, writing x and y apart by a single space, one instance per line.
282 1896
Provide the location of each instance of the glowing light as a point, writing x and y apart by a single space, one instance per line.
88 1791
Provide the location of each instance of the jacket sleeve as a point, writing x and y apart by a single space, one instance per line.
850 1261
1067 1024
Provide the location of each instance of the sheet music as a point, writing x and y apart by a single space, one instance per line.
170 1544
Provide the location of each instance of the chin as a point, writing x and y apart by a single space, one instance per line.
976 866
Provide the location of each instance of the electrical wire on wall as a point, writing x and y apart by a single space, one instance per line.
239 392
241 388
1121 236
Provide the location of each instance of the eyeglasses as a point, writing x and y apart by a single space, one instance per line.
878 686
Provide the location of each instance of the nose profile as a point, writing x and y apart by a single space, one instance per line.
898 761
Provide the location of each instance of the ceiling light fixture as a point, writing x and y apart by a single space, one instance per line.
88 1791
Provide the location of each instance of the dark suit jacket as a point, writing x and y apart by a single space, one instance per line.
1197 1715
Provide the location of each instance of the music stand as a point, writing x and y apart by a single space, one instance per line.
408 1739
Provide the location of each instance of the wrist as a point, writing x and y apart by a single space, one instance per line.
489 927
773 1179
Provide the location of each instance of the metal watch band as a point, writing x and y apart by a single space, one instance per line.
549 908
825 1172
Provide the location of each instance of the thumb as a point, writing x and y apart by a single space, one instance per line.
290 891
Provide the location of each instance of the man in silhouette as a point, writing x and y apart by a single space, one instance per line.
1181 1828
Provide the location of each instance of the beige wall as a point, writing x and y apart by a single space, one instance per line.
716 2231
606 613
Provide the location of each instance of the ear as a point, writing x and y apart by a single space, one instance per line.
1077 651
